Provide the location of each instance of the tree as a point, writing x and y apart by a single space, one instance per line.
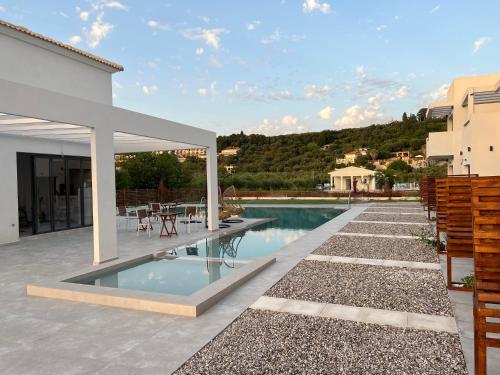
400 166
373 154
405 117
422 114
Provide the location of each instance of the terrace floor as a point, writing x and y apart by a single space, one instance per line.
347 298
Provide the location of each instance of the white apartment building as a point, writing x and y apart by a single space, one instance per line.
471 143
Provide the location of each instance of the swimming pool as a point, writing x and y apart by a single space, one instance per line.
204 262
263 239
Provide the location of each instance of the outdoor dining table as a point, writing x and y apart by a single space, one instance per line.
167 219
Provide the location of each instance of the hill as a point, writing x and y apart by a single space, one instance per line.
312 155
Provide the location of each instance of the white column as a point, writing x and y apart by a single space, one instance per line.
103 195
212 188
374 187
341 182
352 183
331 182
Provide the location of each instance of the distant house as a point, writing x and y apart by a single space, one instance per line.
182 155
350 157
230 151
229 168
352 179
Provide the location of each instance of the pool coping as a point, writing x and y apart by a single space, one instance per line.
64 287
68 288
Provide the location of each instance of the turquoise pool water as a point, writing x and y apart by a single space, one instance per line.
263 239
192 271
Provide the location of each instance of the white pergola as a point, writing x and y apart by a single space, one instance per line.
36 113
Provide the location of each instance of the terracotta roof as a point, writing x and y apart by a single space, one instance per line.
61 44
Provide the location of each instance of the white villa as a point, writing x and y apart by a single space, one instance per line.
59 132
352 179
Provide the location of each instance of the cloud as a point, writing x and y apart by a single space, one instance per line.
158 26
210 36
214 62
358 116
75 39
84 15
113 5
204 19
326 113
199 51
435 9
277 35
309 6
381 28
149 90
317 92
206 91
480 43
252 25
402 92
2 9
440 94
98 31
287 125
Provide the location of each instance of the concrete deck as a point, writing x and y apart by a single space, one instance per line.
45 336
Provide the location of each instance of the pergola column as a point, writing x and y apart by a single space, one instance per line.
212 188
103 195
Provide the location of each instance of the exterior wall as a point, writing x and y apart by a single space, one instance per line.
32 65
474 126
9 146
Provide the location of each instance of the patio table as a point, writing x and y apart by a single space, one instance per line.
166 219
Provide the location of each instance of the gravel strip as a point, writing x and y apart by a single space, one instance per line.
376 228
378 248
393 218
388 288
265 342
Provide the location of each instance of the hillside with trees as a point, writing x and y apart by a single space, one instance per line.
295 161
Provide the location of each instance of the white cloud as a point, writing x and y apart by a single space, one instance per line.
2 9
98 32
252 25
206 91
210 36
381 27
317 92
277 35
360 71
148 90
156 25
202 91
481 42
84 16
309 6
75 39
204 19
358 116
402 92
199 51
287 125
152 64
326 113
113 5
436 8
441 93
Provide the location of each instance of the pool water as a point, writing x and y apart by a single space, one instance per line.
207 261
178 276
263 239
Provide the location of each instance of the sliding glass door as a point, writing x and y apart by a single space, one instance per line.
60 189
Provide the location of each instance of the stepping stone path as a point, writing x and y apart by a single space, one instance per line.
370 300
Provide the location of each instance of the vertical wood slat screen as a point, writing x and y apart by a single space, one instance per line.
441 209
486 218
458 225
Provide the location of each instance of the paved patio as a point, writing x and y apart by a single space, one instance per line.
44 336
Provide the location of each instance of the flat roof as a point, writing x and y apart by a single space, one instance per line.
57 43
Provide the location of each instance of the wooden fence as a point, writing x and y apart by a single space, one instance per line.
441 210
486 215
459 242
137 197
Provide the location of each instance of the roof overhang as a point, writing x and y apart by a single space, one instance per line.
39 113
439 110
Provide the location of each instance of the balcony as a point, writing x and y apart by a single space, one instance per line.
439 146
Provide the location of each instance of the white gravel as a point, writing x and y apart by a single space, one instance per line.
388 288
264 342
377 228
379 248
393 218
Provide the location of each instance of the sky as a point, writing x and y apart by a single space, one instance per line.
275 66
